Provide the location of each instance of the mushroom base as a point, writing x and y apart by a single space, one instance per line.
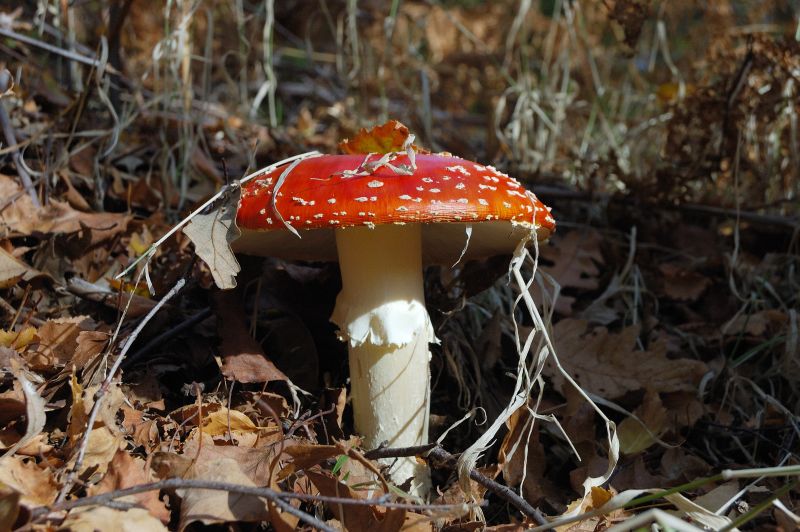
381 314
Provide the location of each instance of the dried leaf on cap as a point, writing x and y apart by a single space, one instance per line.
385 138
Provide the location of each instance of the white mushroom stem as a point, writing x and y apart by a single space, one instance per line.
381 314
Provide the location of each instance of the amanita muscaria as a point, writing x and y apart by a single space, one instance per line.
382 225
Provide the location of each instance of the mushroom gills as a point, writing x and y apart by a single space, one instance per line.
381 314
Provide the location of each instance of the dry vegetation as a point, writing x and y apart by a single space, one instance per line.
664 134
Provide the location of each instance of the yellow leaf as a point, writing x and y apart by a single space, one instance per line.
600 496
138 244
17 339
217 423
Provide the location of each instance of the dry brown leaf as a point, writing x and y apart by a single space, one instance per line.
333 401
637 435
242 357
419 523
84 230
93 518
13 270
34 411
83 160
215 506
126 471
212 234
145 392
608 364
89 345
82 402
143 431
12 404
757 324
681 284
35 484
308 455
220 421
355 518
58 340
100 450
575 257
9 506
253 462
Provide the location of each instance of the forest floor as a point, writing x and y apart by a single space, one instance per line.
663 135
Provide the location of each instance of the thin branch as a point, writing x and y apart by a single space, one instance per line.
273 496
11 140
694 208
222 191
11 34
399 452
101 392
277 497
167 335
504 492
440 455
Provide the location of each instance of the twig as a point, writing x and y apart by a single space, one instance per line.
11 34
110 298
162 338
11 311
437 453
101 392
277 497
11 140
222 191
399 452
504 492
694 208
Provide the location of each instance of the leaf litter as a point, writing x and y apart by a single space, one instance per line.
695 376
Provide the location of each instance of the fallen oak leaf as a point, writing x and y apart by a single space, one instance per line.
13 270
57 341
681 284
609 365
215 506
243 360
572 260
22 218
307 455
93 518
212 233
354 517
126 471
33 481
756 324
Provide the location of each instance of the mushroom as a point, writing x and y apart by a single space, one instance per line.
382 224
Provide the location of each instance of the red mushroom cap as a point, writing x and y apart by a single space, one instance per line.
336 191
